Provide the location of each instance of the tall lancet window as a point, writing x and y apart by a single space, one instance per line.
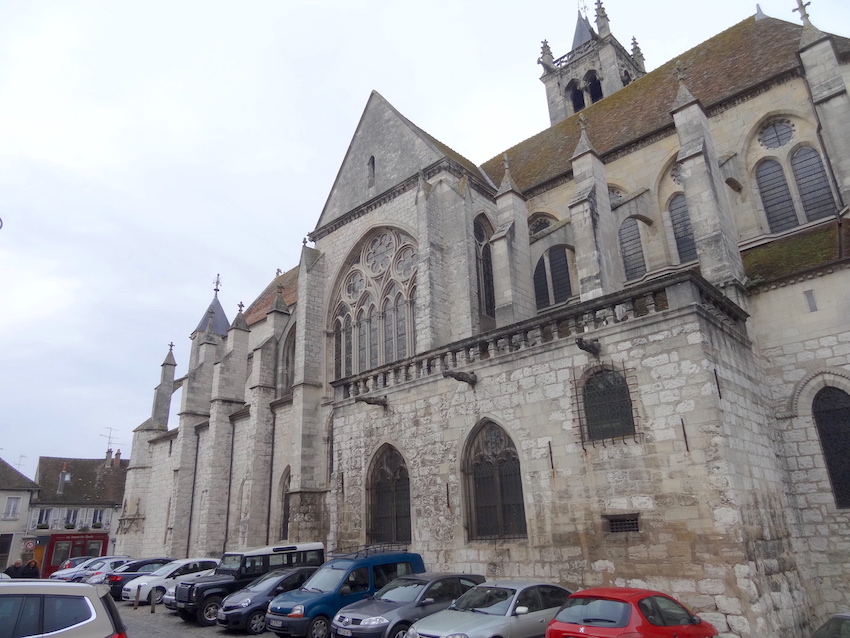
373 322
389 492
370 172
484 266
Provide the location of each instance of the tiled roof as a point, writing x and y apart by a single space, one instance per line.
742 57
11 479
93 481
263 304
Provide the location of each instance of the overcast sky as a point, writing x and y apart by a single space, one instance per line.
146 147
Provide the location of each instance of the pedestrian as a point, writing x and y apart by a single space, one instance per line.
31 570
14 570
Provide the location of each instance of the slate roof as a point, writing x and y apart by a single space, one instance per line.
748 54
12 479
220 324
93 481
264 302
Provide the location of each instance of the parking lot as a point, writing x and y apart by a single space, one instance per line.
141 623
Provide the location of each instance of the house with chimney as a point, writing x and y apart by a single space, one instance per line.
16 490
73 512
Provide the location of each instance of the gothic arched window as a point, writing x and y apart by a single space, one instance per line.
594 87
381 274
288 367
389 491
607 406
680 219
552 278
776 196
812 184
576 96
484 267
631 249
493 485
831 411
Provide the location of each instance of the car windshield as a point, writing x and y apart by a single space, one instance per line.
594 612
327 578
262 583
833 627
486 600
401 590
229 564
96 565
165 570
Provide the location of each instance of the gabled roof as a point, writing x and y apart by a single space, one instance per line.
400 149
747 55
261 306
92 481
12 479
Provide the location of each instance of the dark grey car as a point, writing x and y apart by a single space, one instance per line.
400 603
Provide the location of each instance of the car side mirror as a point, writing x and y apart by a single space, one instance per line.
345 590
522 610
426 601
696 620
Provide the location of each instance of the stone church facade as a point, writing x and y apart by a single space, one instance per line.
617 354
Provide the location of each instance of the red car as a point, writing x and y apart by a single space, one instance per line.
623 612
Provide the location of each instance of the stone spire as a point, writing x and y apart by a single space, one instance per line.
508 183
584 32
637 55
683 97
214 318
602 25
584 145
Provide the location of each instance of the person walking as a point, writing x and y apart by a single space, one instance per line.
30 570
14 570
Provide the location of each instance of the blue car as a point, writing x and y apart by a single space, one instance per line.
343 580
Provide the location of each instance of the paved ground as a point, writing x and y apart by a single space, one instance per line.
141 623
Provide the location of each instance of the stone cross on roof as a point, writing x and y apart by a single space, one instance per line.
801 9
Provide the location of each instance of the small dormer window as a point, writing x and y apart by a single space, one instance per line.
64 477
371 172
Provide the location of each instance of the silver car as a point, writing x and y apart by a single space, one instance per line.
506 608
59 609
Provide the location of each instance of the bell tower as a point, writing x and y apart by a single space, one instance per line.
596 66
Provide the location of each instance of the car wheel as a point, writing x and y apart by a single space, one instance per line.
256 623
185 615
319 628
156 595
209 610
399 631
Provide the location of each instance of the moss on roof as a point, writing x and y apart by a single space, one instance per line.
794 254
740 58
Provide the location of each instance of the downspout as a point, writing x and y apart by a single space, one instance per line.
229 486
271 482
192 497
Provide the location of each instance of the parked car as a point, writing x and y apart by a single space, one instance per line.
75 574
245 610
101 568
606 612
59 609
151 587
169 599
73 562
127 572
400 603
506 608
345 579
836 627
201 598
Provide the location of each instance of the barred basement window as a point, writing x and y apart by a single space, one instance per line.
621 523
493 485
831 411
389 498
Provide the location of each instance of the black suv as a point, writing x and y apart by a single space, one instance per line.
201 599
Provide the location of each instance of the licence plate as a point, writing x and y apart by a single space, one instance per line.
343 632
275 623
181 605
220 615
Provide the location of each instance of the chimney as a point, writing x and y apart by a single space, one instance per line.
117 461
108 457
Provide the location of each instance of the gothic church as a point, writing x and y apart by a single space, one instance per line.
618 353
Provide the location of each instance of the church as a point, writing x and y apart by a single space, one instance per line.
618 353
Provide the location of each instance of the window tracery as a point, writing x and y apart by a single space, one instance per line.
373 322
552 283
483 231
631 249
683 233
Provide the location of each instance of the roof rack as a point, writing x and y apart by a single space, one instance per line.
359 551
